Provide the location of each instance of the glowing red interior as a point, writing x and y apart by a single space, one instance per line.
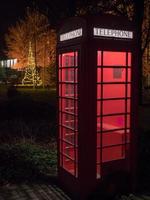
68 106
113 105
113 108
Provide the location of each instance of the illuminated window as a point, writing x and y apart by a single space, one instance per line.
68 111
114 58
113 106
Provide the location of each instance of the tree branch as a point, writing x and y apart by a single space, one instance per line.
147 40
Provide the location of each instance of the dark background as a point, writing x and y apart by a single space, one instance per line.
13 10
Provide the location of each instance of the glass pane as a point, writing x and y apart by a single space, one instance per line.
98 156
114 75
98 107
98 171
68 78
113 122
115 132
98 123
76 58
68 135
128 105
128 121
129 75
113 153
68 121
113 106
111 58
76 75
68 105
129 59
98 140
98 75
99 58
69 90
128 90
113 91
76 107
98 91
68 150
113 138
128 136
69 165
68 75
68 59
75 90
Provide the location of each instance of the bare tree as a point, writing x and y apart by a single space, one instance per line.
48 55
17 43
34 28
146 40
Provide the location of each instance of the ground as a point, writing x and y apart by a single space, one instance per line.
28 127
32 192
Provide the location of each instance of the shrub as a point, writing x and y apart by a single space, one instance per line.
26 161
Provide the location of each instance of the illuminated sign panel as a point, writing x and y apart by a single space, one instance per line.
104 32
71 35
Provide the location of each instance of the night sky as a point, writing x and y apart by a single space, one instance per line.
12 10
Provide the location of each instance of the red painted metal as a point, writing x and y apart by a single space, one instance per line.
97 99
113 117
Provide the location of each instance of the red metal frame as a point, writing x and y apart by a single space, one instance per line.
113 106
103 65
68 111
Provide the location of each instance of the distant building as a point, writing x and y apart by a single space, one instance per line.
9 63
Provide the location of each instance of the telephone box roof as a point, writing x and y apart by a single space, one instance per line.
86 24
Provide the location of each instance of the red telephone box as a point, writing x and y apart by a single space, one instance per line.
97 84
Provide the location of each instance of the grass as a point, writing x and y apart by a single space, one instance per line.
40 94
27 133
3 93
27 113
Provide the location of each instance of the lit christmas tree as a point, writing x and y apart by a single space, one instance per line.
31 74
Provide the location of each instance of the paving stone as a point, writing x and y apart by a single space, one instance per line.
45 192
32 192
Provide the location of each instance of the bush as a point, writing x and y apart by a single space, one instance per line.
26 162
